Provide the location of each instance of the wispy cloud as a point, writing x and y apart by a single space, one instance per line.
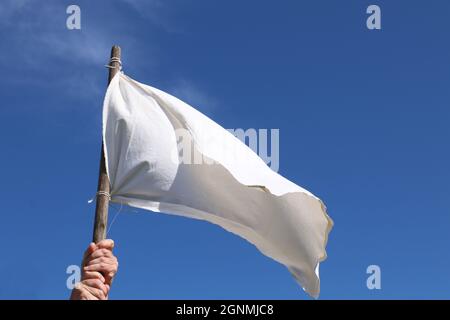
188 92
36 40
157 12
31 24
9 8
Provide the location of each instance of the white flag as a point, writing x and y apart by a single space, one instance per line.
165 156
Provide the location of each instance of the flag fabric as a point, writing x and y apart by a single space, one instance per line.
165 156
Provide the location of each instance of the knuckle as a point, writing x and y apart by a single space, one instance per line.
97 282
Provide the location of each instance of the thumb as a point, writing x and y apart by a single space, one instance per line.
90 249
106 244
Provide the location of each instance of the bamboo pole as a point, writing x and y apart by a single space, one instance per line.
103 188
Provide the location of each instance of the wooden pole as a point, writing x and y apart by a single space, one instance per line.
103 188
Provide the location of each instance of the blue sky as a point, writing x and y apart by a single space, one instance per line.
363 118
